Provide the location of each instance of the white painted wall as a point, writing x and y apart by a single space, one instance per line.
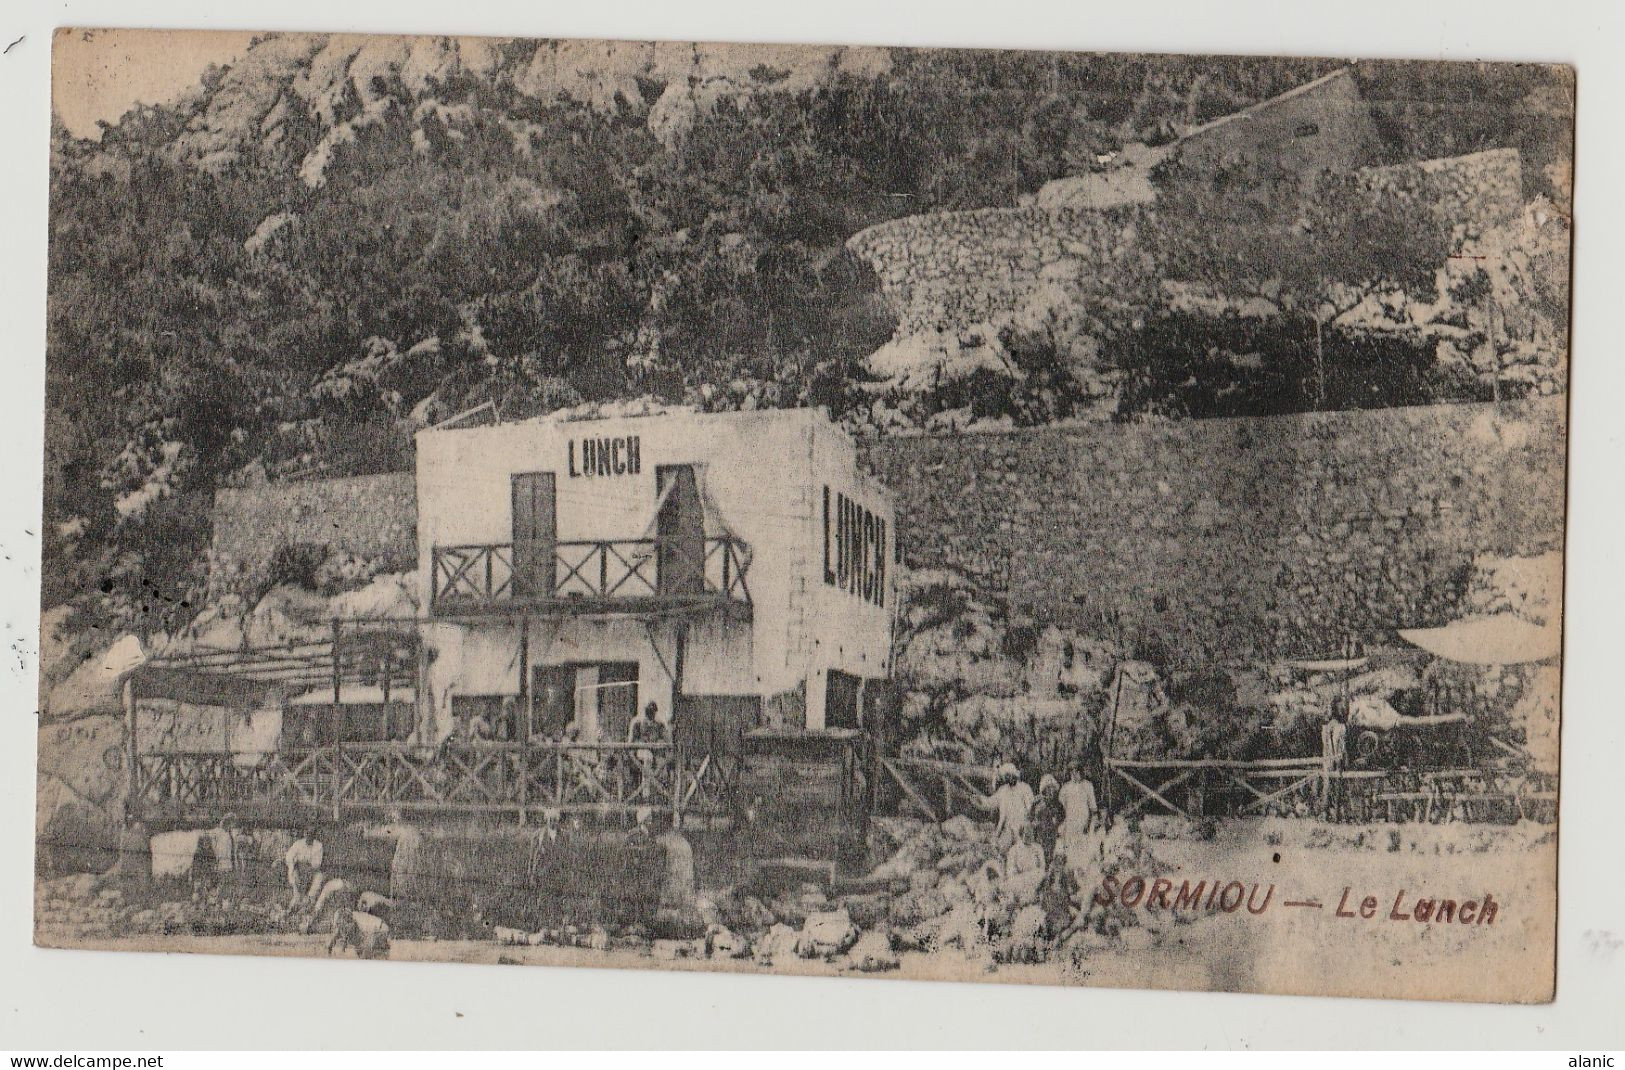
763 473
845 631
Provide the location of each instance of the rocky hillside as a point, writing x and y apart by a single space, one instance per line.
295 100
337 240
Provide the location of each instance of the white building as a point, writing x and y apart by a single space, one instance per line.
734 569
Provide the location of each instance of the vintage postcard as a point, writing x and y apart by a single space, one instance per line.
1033 517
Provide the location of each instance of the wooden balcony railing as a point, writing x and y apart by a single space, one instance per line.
592 575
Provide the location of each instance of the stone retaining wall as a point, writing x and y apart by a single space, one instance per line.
371 517
1220 537
947 271
1230 538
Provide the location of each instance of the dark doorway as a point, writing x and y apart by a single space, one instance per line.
553 700
535 533
617 698
841 700
680 531
596 698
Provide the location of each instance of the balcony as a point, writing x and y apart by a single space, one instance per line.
592 577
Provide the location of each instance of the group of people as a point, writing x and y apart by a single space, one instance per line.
1059 817
1052 841
353 918
672 869
646 726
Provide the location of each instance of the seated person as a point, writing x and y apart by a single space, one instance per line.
335 896
367 933
1023 868
374 903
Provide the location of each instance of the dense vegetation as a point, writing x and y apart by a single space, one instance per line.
208 324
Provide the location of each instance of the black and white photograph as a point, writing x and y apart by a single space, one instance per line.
980 515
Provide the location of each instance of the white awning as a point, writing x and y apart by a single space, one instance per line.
1501 639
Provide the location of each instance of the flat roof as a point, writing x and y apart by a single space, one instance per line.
805 414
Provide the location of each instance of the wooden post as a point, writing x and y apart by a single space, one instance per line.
131 774
336 698
421 698
521 735
1110 743
1325 778
676 784
678 663
524 676
522 770
1495 349
1320 367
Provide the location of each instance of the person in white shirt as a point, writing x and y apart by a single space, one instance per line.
367 933
335 896
374 903
1333 756
1081 818
1011 802
303 861
1025 856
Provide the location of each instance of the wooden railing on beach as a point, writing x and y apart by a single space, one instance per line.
516 780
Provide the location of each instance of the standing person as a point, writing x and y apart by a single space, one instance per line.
543 842
1011 801
1048 814
303 861
218 856
507 726
1333 756
1059 895
406 868
645 728
1080 817
678 913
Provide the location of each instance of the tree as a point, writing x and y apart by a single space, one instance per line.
1317 249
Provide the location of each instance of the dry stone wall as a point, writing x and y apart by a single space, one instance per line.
949 271
1477 192
371 517
1221 539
